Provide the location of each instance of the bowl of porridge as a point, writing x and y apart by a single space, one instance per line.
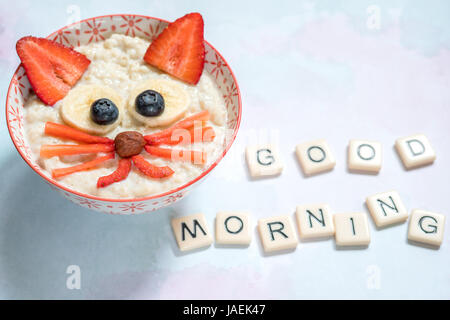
165 169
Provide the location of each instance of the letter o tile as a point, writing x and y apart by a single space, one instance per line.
233 228
364 156
315 157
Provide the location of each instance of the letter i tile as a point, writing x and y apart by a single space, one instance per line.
352 229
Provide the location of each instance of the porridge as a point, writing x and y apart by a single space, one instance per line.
118 72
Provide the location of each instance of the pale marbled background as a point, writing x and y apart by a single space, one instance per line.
306 70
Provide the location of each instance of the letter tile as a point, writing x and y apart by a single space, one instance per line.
314 221
233 228
364 156
426 227
277 233
264 160
415 151
386 208
315 157
191 232
352 229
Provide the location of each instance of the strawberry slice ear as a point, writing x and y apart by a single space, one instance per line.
180 50
51 68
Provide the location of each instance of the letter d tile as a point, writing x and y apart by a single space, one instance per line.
415 151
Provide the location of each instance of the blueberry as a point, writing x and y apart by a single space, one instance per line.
150 103
104 111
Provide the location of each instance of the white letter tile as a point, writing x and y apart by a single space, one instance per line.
364 156
315 157
314 221
386 208
415 151
263 160
352 229
191 232
277 234
233 228
426 227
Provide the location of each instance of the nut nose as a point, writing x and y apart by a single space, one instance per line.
129 143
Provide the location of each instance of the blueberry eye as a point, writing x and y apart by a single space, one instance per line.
150 103
104 111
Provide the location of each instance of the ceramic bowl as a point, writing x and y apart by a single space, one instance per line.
99 29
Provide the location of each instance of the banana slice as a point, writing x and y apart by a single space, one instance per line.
176 101
76 108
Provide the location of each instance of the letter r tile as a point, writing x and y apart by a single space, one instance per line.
315 157
415 151
426 227
191 232
277 234
263 160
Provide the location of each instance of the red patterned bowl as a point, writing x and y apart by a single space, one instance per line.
98 29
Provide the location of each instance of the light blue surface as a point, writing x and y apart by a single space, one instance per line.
391 82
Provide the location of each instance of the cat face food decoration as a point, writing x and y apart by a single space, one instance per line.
91 113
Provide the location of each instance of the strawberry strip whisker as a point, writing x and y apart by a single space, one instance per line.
120 174
151 170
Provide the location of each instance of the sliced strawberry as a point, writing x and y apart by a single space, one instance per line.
51 68
120 174
179 50
151 170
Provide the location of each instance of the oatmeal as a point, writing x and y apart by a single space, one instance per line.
117 65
